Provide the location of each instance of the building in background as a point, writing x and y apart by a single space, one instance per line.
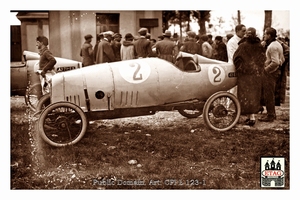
66 29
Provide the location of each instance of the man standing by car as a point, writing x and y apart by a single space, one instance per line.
142 46
232 45
47 60
105 52
86 51
165 48
274 60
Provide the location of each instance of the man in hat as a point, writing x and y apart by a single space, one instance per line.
116 45
87 51
142 46
165 48
105 52
190 45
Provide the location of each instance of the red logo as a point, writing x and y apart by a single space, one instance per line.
272 173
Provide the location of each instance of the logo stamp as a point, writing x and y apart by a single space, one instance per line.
272 172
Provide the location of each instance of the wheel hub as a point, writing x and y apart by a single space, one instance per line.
62 122
220 111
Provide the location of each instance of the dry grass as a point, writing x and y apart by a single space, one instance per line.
171 152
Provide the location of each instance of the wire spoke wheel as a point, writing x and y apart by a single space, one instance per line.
189 113
32 95
221 111
43 103
62 123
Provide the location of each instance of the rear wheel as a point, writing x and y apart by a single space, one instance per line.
221 111
62 123
32 95
43 102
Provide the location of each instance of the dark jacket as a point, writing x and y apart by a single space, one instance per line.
192 47
165 49
249 60
47 60
221 52
142 48
116 46
105 52
87 54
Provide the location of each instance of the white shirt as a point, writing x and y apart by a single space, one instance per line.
232 46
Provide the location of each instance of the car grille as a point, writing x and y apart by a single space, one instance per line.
129 98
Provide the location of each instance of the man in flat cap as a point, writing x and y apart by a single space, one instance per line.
142 46
165 48
105 52
87 51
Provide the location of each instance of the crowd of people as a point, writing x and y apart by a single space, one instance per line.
261 65
110 48
261 69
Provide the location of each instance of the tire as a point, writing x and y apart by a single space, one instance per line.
32 95
190 113
221 111
62 124
43 103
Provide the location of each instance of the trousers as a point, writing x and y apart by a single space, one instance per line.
268 87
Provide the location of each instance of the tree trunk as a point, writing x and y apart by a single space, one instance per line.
239 17
268 19
180 26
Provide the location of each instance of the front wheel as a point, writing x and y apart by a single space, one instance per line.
62 124
221 111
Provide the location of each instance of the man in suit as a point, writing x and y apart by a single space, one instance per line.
142 46
165 48
87 51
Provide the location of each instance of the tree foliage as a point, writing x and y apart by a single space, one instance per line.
203 16
180 17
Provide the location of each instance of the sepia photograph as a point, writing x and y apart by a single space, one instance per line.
150 99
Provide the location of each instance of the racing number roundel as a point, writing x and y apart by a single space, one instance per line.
216 74
134 72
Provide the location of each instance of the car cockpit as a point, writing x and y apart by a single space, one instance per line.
187 63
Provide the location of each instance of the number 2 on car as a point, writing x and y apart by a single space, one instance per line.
216 75
135 72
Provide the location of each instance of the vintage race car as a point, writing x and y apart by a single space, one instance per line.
194 86
25 81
